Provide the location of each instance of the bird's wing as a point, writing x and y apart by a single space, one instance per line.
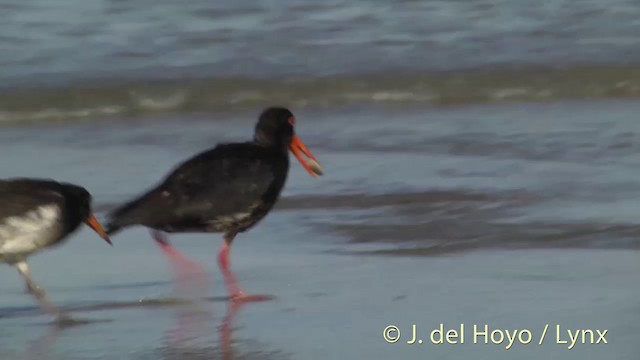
224 181
19 196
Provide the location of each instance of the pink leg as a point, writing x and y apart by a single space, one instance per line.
183 266
236 293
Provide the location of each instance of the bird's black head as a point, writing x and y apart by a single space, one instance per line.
275 129
79 199
78 205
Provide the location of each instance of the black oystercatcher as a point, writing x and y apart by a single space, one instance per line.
35 214
226 189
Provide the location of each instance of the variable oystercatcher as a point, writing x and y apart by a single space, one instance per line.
227 189
39 213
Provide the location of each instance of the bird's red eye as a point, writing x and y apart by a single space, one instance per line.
292 121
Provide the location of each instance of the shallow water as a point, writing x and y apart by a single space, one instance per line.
514 216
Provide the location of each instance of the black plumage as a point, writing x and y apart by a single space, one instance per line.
36 214
227 189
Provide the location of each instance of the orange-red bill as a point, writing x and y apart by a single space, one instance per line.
298 148
93 223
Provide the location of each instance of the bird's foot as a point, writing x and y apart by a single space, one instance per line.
64 320
239 297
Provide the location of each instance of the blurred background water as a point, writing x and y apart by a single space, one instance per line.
81 60
481 166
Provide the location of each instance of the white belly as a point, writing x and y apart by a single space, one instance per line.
27 233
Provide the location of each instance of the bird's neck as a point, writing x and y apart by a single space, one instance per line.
71 218
275 144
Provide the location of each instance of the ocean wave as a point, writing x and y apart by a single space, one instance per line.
99 99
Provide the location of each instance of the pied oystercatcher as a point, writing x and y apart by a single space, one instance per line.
36 214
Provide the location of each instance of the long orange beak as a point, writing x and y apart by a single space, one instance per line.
298 148
93 223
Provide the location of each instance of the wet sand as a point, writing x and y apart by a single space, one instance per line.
335 307
514 217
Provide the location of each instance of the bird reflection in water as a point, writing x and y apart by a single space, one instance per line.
226 329
184 340
193 328
40 348
195 320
